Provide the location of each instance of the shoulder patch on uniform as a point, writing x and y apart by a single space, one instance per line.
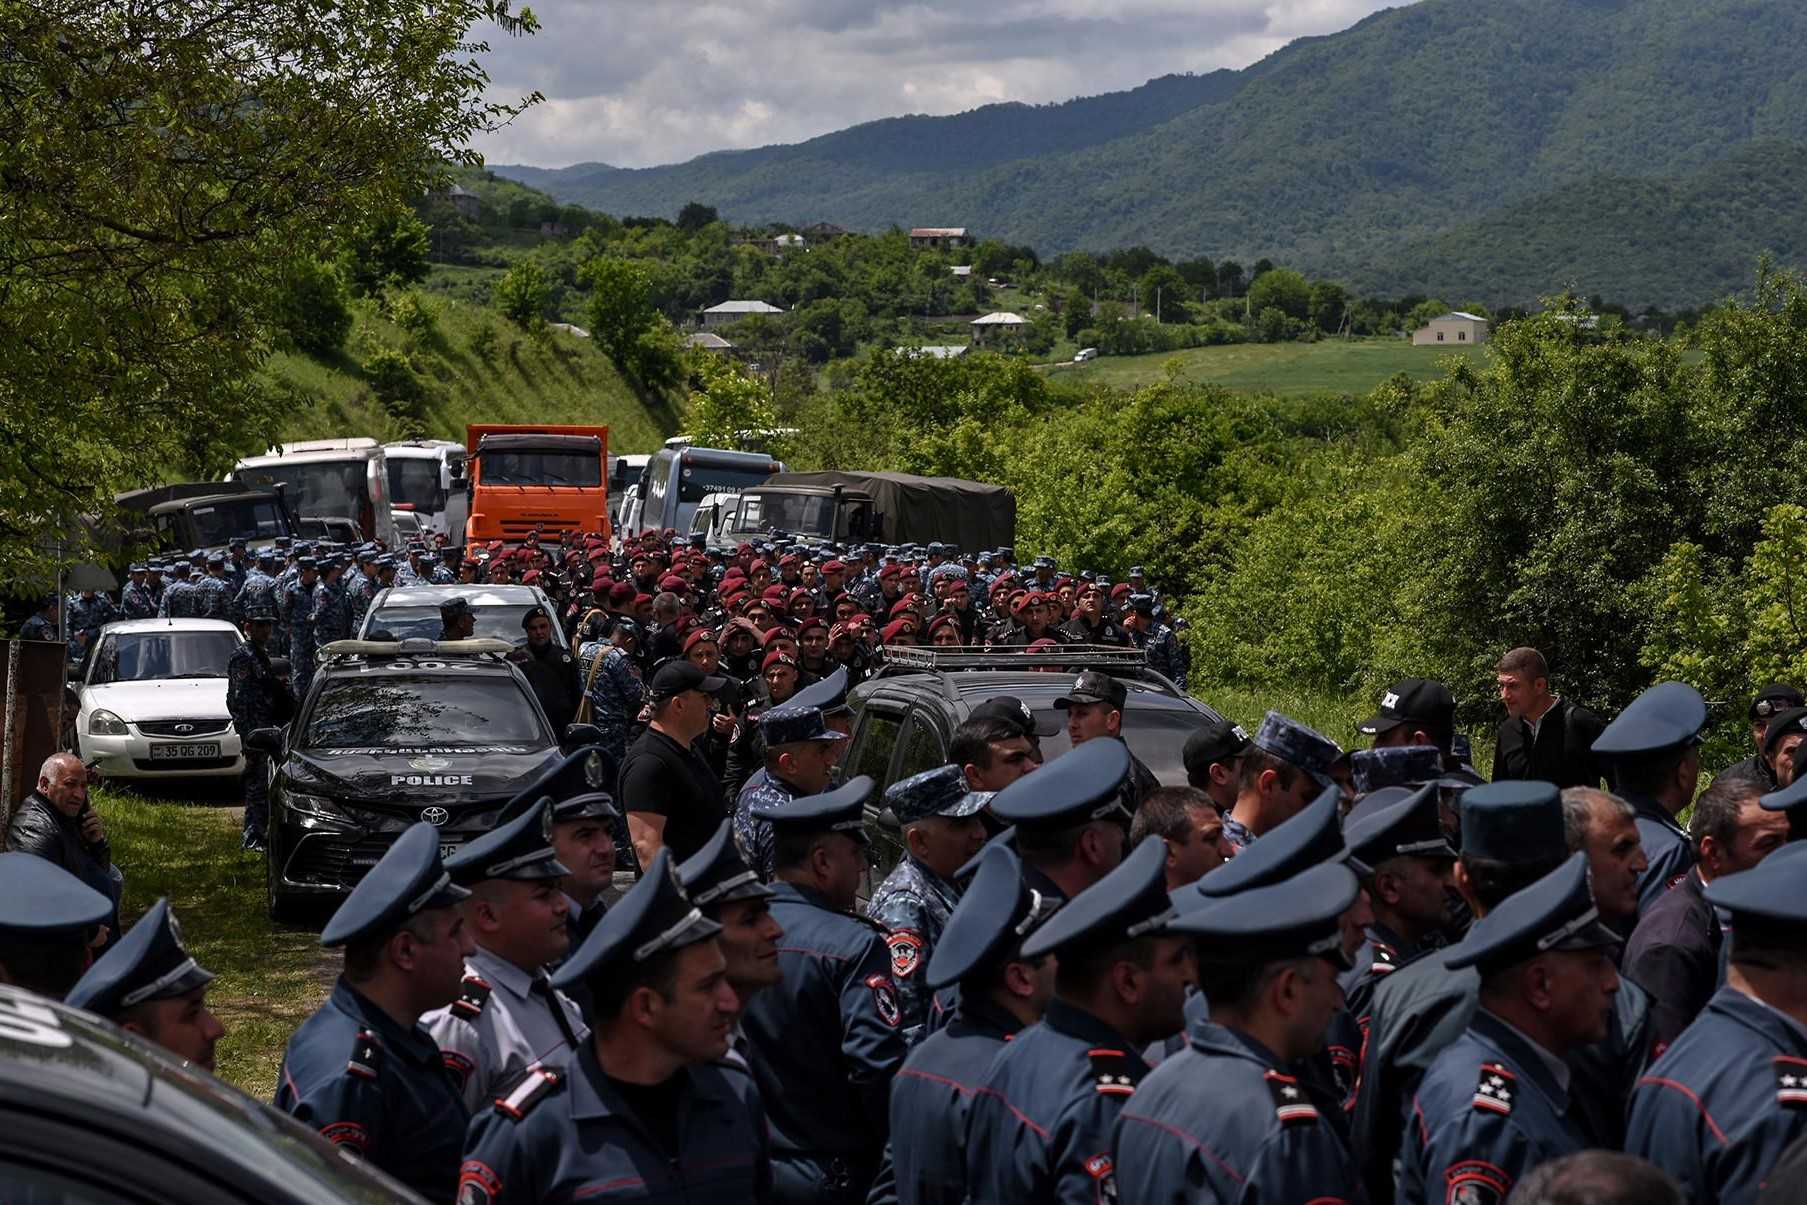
1103 1172
469 1005
1475 1182
366 1056
906 952
478 1184
460 1065
347 1134
527 1090
1791 1080
1291 1105
1496 1089
1114 1072
884 995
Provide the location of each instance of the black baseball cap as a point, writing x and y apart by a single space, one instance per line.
1091 686
1012 710
1413 700
677 676
1218 741
1776 697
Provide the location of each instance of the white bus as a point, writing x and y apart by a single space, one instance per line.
326 478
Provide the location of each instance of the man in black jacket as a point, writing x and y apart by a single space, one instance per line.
550 670
56 823
1544 738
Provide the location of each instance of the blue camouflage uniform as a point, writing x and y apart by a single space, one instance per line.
179 601
258 592
297 615
1491 1108
366 1083
329 614
913 904
1163 649
38 627
828 1096
86 617
255 698
444 575
615 692
136 602
213 598
750 833
237 569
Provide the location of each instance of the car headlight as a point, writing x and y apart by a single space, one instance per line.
314 805
102 722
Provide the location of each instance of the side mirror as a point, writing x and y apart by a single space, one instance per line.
73 675
582 734
265 740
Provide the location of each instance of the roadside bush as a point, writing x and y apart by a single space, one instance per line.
485 344
524 294
398 388
314 310
416 314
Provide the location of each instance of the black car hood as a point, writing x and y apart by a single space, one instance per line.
447 776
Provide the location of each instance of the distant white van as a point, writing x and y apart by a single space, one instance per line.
1084 354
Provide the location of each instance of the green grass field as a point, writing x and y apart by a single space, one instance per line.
562 380
1333 365
269 978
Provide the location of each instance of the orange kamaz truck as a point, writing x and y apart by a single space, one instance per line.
545 478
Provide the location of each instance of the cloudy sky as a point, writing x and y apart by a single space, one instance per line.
642 82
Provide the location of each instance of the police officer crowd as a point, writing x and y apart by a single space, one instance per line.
1308 975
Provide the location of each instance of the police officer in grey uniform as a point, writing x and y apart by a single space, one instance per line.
942 832
646 1112
331 614
1040 1124
135 601
1495 1103
362 1071
179 600
296 614
213 595
508 1017
1226 1119
1653 748
258 591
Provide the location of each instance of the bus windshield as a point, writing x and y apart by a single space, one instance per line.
414 481
320 487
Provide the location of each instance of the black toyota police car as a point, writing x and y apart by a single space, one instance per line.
91 1114
392 733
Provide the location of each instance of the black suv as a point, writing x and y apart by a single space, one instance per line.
391 734
95 1115
905 716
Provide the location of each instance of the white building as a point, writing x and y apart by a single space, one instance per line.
1457 328
729 312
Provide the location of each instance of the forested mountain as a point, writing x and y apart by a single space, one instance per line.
1367 153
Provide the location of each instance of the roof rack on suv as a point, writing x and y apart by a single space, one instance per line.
1066 657
414 647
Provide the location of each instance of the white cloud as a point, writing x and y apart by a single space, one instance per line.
661 81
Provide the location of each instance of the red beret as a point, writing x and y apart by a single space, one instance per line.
777 657
673 582
699 636
834 567
621 593
896 628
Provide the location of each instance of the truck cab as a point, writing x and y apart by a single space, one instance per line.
203 514
527 479
834 514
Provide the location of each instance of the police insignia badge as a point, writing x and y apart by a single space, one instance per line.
1791 1080
1473 1182
906 953
1291 1105
477 1184
884 995
1495 1090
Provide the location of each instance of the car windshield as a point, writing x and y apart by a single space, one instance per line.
154 656
414 481
540 468
217 523
397 709
1156 735
321 487
409 623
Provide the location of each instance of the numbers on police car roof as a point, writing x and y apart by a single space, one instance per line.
404 664
33 1024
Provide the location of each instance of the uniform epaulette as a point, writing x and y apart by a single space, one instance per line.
1495 1091
1114 1073
366 1056
1386 959
469 1005
1291 1105
1791 1080
521 1094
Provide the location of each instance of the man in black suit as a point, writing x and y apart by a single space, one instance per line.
1544 737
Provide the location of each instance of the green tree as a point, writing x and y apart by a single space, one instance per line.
1424 312
1229 279
620 308
163 165
694 216
524 294
725 402
1282 289
1329 303
312 308
388 252
1163 293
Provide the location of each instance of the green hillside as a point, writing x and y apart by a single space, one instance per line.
1340 155
565 379
1353 367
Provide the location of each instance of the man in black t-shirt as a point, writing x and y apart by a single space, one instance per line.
671 796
